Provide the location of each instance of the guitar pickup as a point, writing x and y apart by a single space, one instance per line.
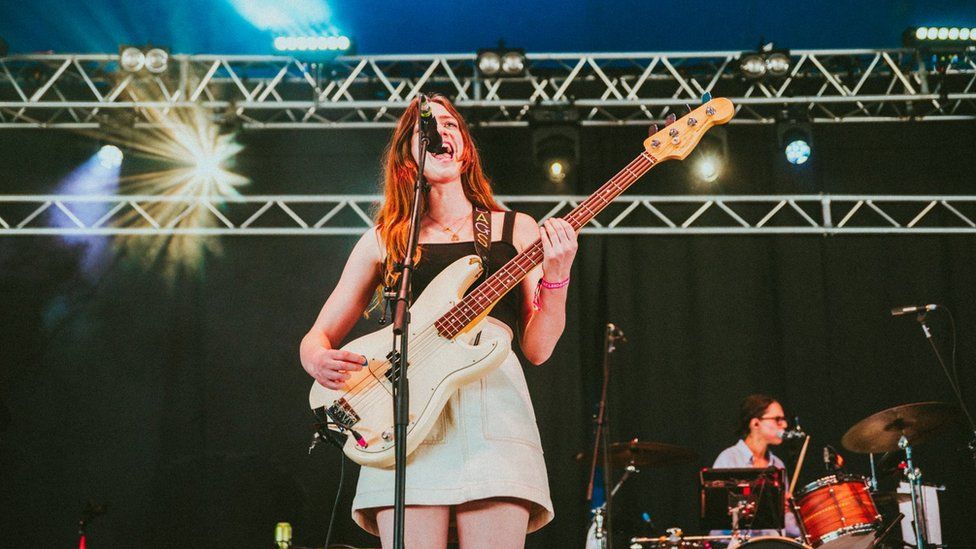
394 370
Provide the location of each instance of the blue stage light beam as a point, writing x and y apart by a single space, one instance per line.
98 176
287 17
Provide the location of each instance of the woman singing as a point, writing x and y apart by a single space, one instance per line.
481 469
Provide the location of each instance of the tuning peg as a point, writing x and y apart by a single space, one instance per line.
669 120
706 97
652 130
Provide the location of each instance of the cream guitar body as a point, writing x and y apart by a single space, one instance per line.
438 367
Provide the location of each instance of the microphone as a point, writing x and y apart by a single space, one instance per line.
898 311
792 434
428 127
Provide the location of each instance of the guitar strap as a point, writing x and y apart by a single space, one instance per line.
481 224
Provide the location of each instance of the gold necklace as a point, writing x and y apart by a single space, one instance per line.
457 223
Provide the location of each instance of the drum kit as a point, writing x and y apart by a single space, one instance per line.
838 511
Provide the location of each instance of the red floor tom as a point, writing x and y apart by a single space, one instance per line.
838 512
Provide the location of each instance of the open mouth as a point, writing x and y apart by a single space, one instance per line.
448 153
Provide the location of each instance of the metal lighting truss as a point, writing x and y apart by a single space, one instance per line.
84 91
628 215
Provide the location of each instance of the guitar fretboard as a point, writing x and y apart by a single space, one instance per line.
503 280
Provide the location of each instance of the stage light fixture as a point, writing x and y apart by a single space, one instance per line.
489 63
157 60
765 62
797 152
501 61
778 64
109 157
555 142
320 43
939 38
135 59
132 59
708 160
513 63
556 171
796 141
707 169
752 66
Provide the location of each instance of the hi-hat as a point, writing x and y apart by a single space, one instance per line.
881 432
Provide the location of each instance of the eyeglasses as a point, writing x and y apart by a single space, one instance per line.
777 419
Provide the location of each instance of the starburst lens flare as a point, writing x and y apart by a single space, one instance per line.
195 161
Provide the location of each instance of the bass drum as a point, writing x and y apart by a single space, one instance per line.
771 542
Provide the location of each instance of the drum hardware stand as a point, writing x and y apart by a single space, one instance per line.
601 443
873 484
914 476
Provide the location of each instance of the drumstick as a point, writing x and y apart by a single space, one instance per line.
799 465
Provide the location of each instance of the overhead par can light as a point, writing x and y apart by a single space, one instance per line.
753 66
489 63
513 62
132 59
157 60
778 64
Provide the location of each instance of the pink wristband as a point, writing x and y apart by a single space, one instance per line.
553 285
543 283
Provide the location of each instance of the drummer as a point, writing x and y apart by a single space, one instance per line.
761 425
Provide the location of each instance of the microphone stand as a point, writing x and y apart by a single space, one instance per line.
399 363
922 318
601 443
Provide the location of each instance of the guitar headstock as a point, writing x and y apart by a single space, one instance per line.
678 139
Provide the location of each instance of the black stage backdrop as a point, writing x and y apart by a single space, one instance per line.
181 403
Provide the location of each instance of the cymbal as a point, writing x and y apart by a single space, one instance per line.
645 454
880 432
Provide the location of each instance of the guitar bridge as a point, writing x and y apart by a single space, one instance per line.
342 414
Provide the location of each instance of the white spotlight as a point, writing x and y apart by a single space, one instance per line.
557 171
707 168
932 33
943 33
797 152
110 157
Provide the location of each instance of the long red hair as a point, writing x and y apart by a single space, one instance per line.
400 175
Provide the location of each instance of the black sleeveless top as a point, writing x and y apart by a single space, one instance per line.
435 258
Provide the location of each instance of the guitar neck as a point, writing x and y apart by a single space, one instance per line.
475 304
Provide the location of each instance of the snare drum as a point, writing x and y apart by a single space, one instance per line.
838 512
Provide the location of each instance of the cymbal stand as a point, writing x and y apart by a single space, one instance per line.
914 476
601 442
873 484
922 319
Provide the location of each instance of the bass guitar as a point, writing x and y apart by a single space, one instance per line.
446 347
